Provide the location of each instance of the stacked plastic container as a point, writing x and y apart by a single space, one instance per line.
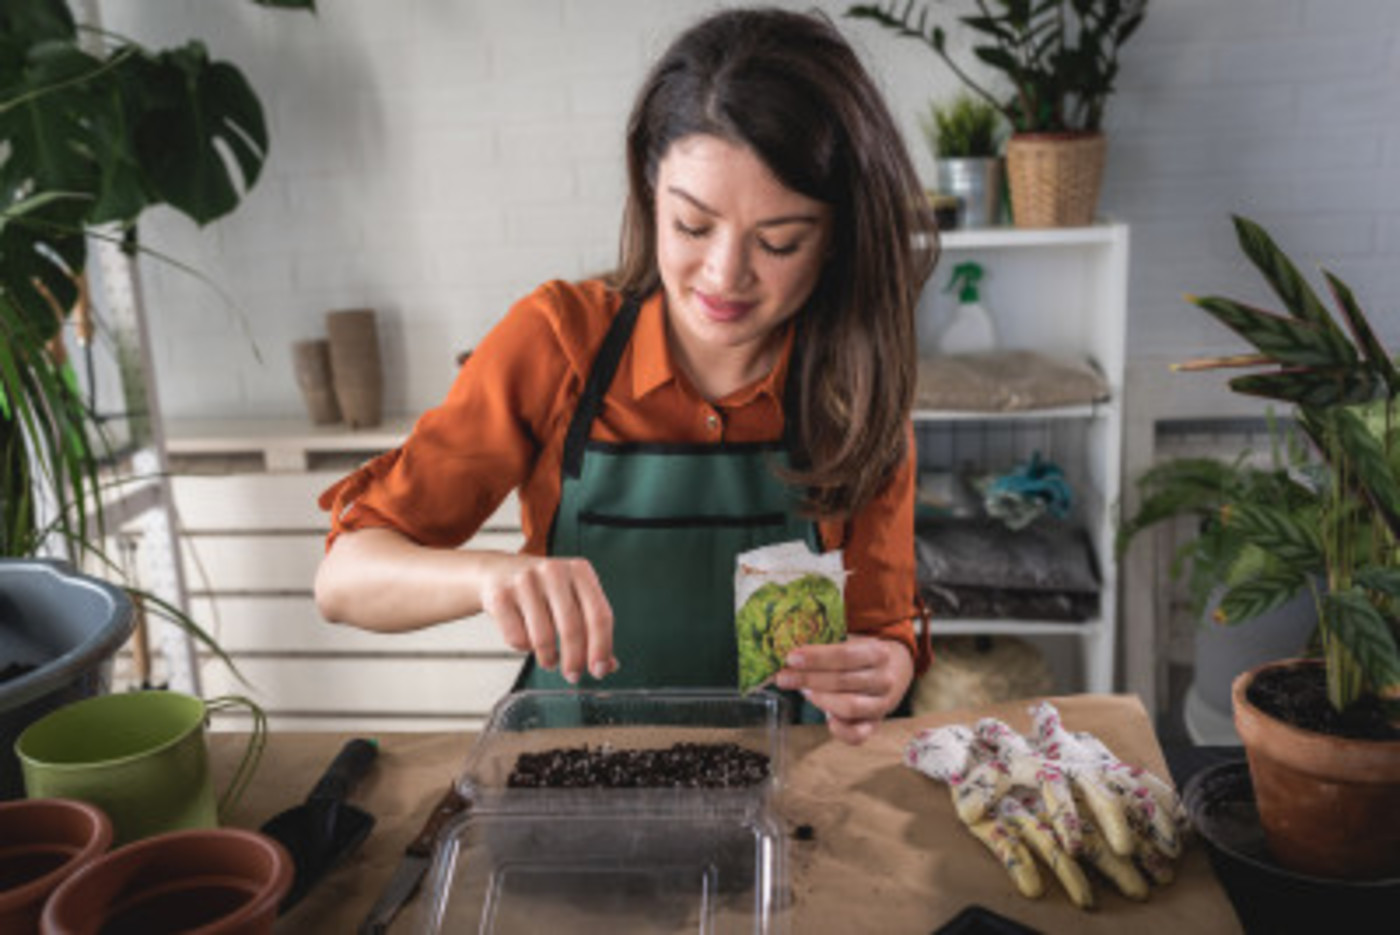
613 859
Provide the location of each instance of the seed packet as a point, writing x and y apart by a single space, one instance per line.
785 596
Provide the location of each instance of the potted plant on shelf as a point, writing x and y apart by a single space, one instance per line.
1322 736
964 136
89 139
1252 592
1060 59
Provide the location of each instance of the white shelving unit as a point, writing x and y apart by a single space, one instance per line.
1062 292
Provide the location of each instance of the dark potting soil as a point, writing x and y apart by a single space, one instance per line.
682 765
1298 695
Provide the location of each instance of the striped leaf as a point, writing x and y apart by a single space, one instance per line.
1258 596
1292 542
1366 340
1179 487
1367 458
1374 578
1288 284
1287 340
1359 637
1310 386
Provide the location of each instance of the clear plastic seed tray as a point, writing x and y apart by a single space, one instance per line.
608 858
533 722
520 872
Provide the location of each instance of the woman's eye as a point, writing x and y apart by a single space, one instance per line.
686 230
779 250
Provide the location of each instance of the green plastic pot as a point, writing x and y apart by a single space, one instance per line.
139 756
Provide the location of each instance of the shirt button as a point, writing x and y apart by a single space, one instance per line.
712 422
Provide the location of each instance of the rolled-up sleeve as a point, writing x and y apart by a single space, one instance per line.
466 455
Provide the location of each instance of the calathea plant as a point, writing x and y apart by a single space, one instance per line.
1235 504
1344 390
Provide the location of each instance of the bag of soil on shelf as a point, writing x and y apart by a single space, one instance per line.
785 596
977 568
1006 381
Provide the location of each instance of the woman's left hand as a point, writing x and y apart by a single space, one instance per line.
856 682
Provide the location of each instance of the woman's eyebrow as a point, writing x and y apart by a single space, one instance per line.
768 222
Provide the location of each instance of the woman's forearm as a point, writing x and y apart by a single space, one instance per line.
378 579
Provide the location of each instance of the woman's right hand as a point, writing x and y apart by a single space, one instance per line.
555 608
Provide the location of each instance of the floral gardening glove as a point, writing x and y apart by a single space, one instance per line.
1131 804
1016 800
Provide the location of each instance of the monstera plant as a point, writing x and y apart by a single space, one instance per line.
95 129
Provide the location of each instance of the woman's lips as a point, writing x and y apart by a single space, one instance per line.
724 309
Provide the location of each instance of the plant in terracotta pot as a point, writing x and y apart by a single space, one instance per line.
964 135
1323 736
1060 60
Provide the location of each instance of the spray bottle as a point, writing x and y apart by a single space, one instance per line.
971 329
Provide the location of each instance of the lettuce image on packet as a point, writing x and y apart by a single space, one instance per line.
785 596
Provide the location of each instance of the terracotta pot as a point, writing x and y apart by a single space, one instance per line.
44 842
1054 178
1328 805
220 881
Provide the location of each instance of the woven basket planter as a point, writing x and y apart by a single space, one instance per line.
1055 177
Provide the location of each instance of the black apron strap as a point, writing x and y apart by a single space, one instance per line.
600 377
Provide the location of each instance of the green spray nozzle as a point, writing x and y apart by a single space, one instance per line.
965 279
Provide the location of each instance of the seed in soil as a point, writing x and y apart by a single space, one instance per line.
682 765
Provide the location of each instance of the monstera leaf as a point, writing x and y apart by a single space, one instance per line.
41 245
94 138
190 110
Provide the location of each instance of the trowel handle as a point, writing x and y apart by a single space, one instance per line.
348 768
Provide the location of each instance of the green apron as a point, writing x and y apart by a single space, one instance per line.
661 525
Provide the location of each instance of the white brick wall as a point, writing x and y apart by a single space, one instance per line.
434 159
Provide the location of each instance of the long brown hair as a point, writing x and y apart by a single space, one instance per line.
789 87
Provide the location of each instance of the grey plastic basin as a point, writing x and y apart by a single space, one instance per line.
66 626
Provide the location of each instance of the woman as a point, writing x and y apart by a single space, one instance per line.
744 378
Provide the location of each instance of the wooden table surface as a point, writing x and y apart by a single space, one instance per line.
886 852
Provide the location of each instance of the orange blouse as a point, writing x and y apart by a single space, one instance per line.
503 423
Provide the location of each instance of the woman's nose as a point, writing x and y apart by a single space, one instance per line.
727 263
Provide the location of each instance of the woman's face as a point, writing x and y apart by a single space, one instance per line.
738 252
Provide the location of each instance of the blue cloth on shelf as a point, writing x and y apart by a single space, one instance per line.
1029 490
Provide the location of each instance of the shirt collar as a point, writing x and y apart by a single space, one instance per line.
653 366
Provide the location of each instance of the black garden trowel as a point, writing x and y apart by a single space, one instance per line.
325 828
